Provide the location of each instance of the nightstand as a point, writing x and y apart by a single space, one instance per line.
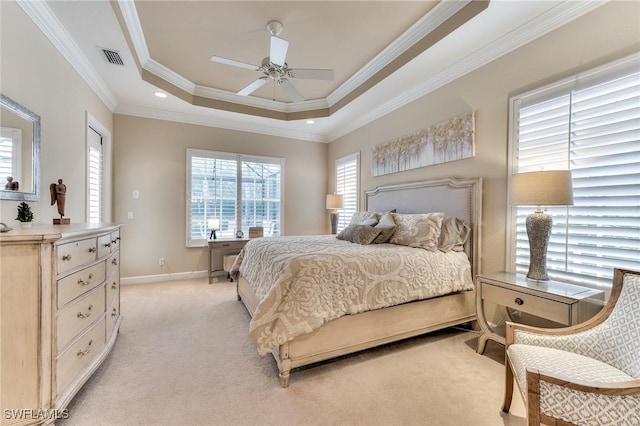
561 303
220 247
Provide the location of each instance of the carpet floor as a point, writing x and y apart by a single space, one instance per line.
184 357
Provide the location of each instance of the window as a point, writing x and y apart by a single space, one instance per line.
589 124
348 185
94 178
98 172
10 154
219 182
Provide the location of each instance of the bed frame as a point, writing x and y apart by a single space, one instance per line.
456 198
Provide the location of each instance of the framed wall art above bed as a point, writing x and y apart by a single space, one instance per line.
318 297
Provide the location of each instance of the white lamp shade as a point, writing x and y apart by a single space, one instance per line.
213 224
545 188
334 201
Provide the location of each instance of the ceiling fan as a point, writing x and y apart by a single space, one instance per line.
276 69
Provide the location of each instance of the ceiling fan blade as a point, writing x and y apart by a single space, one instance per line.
312 74
278 50
234 63
290 90
253 86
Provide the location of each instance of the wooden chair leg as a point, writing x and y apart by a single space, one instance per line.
508 385
533 398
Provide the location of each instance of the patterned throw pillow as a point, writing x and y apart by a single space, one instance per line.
387 227
361 216
417 230
453 235
360 234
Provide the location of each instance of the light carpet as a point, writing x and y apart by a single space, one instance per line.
184 357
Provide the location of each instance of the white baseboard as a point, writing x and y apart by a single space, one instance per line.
162 277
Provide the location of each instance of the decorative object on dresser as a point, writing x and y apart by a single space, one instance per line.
334 202
315 262
60 309
218 249
588 374
59 196
545 188
25 215
562 304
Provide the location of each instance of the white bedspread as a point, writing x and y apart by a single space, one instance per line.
304 282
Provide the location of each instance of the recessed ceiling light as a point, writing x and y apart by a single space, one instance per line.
310 121
160 94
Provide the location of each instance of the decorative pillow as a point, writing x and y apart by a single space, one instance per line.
417 230
387 227
361 216
360 234
453 235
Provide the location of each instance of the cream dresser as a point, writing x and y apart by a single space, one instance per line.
59 315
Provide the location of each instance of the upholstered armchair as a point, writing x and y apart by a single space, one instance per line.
587 374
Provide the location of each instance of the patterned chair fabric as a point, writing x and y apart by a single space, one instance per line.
588 374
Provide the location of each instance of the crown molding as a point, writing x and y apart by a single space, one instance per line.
132 21
434 18
46 21
550 20
208 121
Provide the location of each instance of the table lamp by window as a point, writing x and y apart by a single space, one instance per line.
546 188
213 225
334 202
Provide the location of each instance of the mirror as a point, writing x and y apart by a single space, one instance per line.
19 152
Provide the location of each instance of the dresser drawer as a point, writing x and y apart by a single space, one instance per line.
115 240
113 264
79 315
80 354
104 245
113 287
113 312
75 254
539 306
80 282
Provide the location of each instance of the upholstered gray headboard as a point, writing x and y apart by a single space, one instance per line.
460 198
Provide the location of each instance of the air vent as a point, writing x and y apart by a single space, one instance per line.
112 56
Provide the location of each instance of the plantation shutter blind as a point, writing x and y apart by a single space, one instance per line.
261 205
94 177
213 195
238 190
594 131
10 149
347 182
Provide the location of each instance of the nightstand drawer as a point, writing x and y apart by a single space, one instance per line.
539 306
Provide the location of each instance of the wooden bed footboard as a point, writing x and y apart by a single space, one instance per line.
353 333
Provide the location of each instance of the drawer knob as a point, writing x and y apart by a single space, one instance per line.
107 245
66 257
118 239
114 261
114 241
114 285
519 301
88 314
92 249
114 312
86 351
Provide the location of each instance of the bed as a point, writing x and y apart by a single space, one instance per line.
346 329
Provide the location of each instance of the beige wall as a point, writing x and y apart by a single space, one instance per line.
605 34
34 74
150 156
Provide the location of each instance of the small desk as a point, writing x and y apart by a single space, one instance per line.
563 304
220 247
